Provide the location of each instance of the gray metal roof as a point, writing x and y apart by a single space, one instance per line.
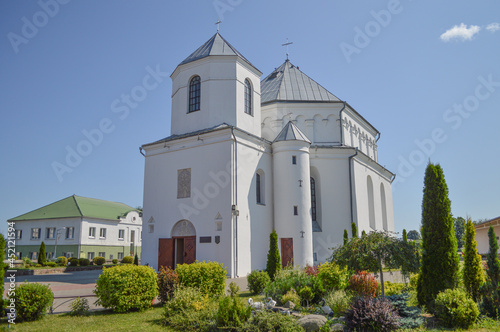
288 83
291 133
215 46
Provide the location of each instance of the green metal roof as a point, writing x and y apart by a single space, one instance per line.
77 206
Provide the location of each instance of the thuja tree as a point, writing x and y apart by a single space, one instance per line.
473 268
354 230
346 236
440 261
491 289
42 258
374 251
273 256
459 224
405 237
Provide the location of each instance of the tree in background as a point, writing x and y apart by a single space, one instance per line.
414 235
136 260
363 233
405 236
346 236
42 256
491 289
440 261
354 230
473 266
459 224
273 256
376 250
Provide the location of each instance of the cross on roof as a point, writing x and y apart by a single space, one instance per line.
286 44
217 23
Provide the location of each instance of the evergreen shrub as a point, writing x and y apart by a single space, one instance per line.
127 260
98 260
83 261
271 321
42 256
232 312
410 316
62 261
454 309
257 281
273 256
73 261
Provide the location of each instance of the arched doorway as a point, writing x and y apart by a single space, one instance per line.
180 248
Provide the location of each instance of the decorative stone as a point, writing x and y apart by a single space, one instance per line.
312 323
337 327
289 305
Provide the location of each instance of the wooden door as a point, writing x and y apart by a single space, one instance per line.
189 249
166 253
286 251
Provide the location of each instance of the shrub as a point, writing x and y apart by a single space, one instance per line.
311 270
394 288
363 284
333 276
189 309
233 289
232 312
455 309
339 301
257 281
209 277
50 264
73 261
306 294
410 316
128 260
167 281
83 261
296 278
291 296
126 287
271 321
27 262
32 301
99 260
79 307
115 261
42 256
273 264
373 314
62 261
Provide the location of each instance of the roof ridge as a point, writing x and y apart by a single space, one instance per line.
77 205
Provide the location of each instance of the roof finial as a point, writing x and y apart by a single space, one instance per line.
217 23
286 44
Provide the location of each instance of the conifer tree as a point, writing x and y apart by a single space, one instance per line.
273 256
491 289
363 233
42 258
405 237
346 237
354 230
136 260
473 268
440 261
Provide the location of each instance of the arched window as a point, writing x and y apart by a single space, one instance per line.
313 200
371 202
194 94
248 97
260 186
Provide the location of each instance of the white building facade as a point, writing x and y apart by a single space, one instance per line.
248 156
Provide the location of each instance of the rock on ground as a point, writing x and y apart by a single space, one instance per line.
312 322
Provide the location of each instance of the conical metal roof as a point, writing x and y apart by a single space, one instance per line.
288 83
291 133
215 46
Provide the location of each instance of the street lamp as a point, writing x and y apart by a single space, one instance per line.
58 232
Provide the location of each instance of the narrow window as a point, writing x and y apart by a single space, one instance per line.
102 233
260 186
184 183
35 233
121 234
313 199
194 94
51 233
151 228
120 255
19 234
257 188
90 255
294 160
70 233
132 236
371 203
248 97
92 232
102 254
295 210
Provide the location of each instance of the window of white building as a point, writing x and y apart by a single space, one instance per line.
35 233
102 233
121 234
70 233
50 233
92 232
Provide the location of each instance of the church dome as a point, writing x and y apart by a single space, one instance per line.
291 133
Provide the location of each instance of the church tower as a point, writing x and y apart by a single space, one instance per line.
215 85
292 196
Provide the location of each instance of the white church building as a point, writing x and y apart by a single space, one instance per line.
246 156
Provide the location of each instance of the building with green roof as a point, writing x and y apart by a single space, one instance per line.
79 227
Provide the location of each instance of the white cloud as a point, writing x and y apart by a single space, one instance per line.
460 32
492 27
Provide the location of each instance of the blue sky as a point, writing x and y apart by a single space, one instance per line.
426 76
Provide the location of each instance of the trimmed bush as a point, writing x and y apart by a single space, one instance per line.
257 281
232 312
79 307
83 261
32 301
273 264
128 260
333 276
50 264
62 261
339 301
271 321
454 309
73 261
190 309
209 277
372 314
126 287
167 281
99 260
115 261
363 284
